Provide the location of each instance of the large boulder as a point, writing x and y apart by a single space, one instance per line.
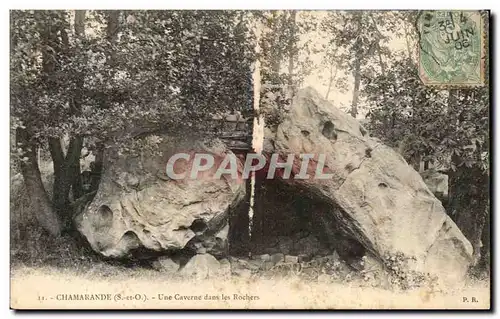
138 208
375 196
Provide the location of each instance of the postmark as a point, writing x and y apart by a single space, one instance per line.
452 48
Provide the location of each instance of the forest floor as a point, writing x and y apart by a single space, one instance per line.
51 287
50 272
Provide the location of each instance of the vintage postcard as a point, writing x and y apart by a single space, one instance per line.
287 159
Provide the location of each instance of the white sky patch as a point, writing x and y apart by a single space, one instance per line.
258 125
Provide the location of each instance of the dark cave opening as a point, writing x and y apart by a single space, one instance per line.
291 221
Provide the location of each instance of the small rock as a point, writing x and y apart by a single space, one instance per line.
202 267
245 263
276 258
291 259
165 264
265 257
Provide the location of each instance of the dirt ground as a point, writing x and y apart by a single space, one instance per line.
110 287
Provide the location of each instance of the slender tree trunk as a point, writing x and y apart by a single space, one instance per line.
60 188
358 55
291 48
330 80
46 216
410 55
380 60
484 261
65 175
76 186
75 147
79 22
72 162
98 167
379 51
278 23
112 34
357 81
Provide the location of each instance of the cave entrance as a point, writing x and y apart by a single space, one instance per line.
289 220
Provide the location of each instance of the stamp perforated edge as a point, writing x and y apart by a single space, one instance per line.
484 64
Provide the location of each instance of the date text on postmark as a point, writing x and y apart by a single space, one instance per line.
451 48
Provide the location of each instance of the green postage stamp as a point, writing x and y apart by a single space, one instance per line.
452 48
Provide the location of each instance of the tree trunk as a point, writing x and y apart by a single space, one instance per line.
46 216
380 60
76 186
72 163
484 261
79 22
276 46
65 175
408 50
468 204
357 81
330 80
291 50
97 168
379 51
112 35
67 168
60 189
358 55
76 147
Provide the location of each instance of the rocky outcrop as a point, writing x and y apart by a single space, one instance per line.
372 203
138 208
383 202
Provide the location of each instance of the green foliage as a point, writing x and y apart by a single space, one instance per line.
426 123
446 127
99 78
129 68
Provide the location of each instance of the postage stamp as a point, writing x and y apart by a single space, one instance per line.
452 48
